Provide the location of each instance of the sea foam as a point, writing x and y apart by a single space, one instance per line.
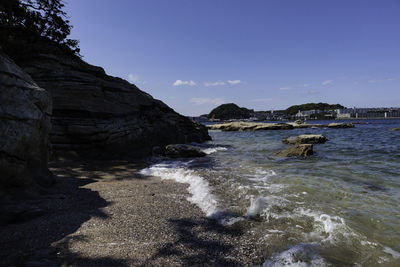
211 150
299 255
198 187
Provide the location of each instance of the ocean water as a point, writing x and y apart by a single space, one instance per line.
339 207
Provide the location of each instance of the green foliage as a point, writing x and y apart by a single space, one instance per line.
229 111
31 26
311 106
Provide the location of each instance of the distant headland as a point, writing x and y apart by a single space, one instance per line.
309 111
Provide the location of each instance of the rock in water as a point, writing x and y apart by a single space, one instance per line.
305 139
340 125
297 150
105 116
183 151
395 129
25 111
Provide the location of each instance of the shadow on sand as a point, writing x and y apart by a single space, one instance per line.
40 238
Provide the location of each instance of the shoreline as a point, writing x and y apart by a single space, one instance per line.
104 213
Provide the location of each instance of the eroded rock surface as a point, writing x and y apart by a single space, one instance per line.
297 150
258 126
249 126
305 139
340 125
25 111
183 151
105 116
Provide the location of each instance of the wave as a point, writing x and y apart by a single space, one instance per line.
298 255
199 188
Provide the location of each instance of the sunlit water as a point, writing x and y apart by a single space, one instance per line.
340 206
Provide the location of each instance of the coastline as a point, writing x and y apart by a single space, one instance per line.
105 213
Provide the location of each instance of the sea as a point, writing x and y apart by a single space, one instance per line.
338 207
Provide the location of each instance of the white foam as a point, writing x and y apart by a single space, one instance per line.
395 254
331 226
257 206
198 187
299 255
211 150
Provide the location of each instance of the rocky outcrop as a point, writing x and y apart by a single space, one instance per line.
305 139
25 111
340 125
249 126
96 114
183 151
305 125
297 150
395 129
259 126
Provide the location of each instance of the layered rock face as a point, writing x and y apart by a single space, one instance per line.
100 115
25 111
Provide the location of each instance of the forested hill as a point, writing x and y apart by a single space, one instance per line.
292 110
230 111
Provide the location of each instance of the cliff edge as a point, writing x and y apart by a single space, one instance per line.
96 114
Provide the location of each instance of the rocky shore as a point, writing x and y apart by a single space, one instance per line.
262 126
105 214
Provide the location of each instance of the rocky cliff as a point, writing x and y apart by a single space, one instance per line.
97 114
25 111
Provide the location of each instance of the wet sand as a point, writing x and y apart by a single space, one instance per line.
106 214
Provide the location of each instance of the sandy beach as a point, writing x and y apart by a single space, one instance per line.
105 214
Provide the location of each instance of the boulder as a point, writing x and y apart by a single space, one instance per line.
340 125
305 139
183 151
297 150
395 129
25 111
102 116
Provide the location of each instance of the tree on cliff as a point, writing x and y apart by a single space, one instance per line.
29 26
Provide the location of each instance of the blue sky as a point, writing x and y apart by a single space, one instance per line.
195 55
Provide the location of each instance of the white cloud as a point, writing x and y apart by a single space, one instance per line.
180 82
217 83
204 100
133 78
233 82
262 100
306 85
381 80
313 92
327 82
285 88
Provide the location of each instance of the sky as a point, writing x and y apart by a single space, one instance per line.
265 55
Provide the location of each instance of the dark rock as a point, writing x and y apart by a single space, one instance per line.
183 151
305 139
102 116
395 129
340 125
24 128
297 150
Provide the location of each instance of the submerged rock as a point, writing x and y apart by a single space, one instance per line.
340 125
25 111
104 116
183 151
297 150
305 139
